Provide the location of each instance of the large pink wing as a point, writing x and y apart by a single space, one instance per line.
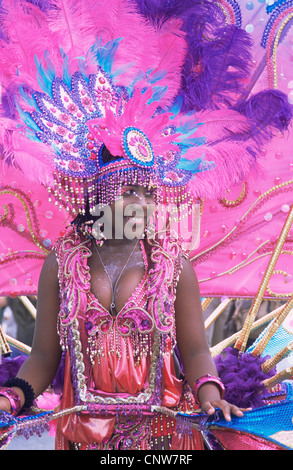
29 225
238 235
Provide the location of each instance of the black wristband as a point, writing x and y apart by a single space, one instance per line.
26 388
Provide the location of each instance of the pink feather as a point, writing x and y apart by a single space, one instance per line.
29 36
233 162
227 136
220 124
83 21
136 113
72 23
71 28
34 159
75 26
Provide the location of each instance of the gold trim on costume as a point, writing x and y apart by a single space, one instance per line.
242 340
28 218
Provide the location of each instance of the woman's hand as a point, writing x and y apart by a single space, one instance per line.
209 407
5 405
193 347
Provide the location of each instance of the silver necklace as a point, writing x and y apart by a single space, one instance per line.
113 288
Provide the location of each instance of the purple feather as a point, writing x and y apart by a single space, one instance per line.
218 65
243 377
9 367
268 108
8 108
223 66
43 5
218 59
163 10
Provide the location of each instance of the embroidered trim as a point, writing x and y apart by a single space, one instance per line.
147 319
99 404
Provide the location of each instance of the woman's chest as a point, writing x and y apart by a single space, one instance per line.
114 284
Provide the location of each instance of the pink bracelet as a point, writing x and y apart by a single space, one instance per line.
14 399
204 379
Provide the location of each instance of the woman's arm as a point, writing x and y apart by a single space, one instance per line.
41 366
192 343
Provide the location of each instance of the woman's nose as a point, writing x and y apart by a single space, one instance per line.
142 200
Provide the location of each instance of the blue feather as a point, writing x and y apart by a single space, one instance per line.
188 128
27 119
32 136
27 97
121 70
175 109
45 77
82 68
131 86
105 54
195 166
193 142
156 77
66 77
158 93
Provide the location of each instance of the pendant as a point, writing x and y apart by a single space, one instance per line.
113 308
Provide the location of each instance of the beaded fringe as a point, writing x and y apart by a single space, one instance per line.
141 345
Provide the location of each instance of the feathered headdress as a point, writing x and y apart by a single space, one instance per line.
79 76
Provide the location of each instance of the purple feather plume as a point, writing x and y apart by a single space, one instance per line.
218 61
9 367
43 5
267 109
243 377
218 65
222 69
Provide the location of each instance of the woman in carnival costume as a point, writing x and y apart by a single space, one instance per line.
113 115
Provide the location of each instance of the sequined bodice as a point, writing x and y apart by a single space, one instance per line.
132 346
99 319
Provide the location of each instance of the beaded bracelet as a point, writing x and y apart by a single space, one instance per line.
26 388
14 399
204 379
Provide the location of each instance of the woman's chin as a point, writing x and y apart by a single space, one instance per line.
134 227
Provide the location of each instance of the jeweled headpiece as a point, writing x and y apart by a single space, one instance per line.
79 120
79 77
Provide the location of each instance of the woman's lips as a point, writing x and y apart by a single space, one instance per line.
135 220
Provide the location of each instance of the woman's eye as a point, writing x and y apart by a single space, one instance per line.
128 192
133 193
149 194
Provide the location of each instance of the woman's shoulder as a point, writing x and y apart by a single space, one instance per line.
70 239
66 234
50 267
169 242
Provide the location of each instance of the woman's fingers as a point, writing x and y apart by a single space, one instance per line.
227 409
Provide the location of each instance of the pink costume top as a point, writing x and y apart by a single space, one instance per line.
117 367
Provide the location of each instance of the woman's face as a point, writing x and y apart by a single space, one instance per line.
128 216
